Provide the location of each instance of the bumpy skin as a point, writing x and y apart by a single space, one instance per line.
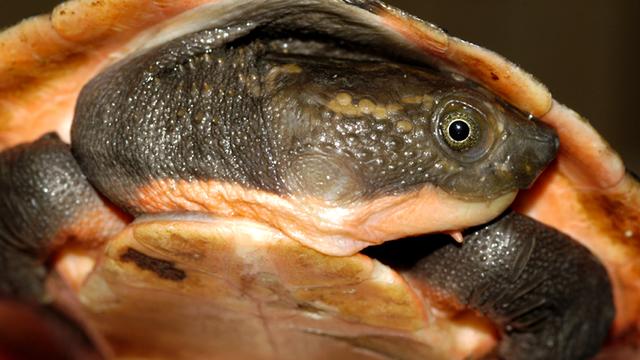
278 114
548 295
44 198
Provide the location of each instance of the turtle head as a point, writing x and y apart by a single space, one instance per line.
484 147
379 129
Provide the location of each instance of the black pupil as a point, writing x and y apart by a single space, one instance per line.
459 130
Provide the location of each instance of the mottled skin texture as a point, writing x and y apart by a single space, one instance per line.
279 115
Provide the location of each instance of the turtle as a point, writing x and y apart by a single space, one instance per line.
237 170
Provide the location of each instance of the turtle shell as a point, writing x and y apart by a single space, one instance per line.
45 61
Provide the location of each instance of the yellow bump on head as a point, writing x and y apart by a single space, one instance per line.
291 69
348 110
412 100
404 126
343 99
343 104
427 101
393 108
366 106
380 113
351 110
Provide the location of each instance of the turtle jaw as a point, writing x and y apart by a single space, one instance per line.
431 210
346 231
337 230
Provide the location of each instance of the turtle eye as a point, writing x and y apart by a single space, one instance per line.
464 130
459 131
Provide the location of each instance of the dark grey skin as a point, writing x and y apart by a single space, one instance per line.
255 109
549 296
42 191
266 113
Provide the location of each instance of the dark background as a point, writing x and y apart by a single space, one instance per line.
584 51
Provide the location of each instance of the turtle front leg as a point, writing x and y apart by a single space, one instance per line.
548 296
45 202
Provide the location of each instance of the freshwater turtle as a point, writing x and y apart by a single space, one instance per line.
230 160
